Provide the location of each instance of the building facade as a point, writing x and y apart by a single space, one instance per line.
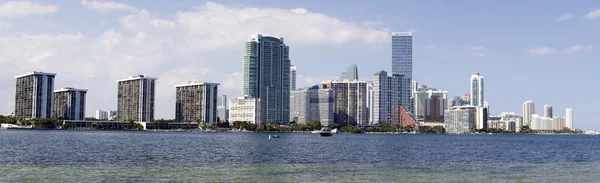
312 104
569 118
423 102
350 102
548 111
528 110
370 102
541 123
434 108
402 54
350 74
106 114
292 77
245 109
390 93
511 116
477 90
222 110
266 75
69 104
458 121
135 99
196 102
33 96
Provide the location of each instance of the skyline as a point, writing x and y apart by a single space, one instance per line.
126 51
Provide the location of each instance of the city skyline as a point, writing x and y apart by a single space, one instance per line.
476 53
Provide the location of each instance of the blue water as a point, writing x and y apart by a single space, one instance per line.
98 156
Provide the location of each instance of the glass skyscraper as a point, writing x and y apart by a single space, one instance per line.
266 75
402 54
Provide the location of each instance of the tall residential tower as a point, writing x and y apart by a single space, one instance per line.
528 110
266 75
196 102
33 98
389 95
477 88
69 104
548 111
135 99
292 78
569 118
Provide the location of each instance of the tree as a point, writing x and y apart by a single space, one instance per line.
314 125
351 129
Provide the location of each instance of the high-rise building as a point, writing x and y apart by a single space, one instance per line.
548 111
196 102
511 116
421 103
434 108
266 75
477 90
370 102
479 118
292 77
402 54
312 104
569 118
559 123
460 101
350 102
541 123
135 99
458 120
34 93
69 104
106 114
245 109
350 74
528 110
390 93
222 110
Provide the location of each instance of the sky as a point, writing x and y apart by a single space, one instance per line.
539 50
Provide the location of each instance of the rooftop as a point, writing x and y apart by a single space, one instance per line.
35 73
136 78
194 83
70 89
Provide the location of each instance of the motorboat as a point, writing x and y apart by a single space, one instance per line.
325 132
273 136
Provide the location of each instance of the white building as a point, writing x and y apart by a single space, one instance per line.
292 77
511 116
458 120
548 111
390 93
528 110
559 123
34 95
106 114
477 90
370 102
312 104
569 118
541 123
246 109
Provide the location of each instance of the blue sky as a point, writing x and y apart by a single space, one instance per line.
524 49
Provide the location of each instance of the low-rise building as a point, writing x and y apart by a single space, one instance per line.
245 109
458 120
541 123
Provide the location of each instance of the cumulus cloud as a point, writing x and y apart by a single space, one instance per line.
24 8
564 17
593 14
576 49
107 6
541 51
202 44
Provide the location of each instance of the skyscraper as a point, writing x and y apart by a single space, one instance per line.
528 110
292 77
547 111
350 98
106 114
196 102
34 93
135 99
69 104
389 95
370 101
222 110
350 74
402 54
312 104
569 118
266 75
477 88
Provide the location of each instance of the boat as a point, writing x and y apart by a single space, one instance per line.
273 136
325 132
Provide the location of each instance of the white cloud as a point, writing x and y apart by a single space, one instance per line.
593 14
107 6
564 17
25 8
541 51
576 48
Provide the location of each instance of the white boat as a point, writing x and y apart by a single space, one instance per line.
325 132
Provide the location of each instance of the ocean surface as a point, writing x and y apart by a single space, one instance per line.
100 156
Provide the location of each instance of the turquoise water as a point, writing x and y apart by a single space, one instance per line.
70 156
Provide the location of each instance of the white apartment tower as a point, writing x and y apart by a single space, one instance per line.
548 111
34 95
528 110
292 77
477 90
569 118
245 109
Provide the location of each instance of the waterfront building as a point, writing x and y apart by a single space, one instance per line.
479 118
511 116
196 102
69 104
430 101
402 54
541 123
106 114
350 74
33 96
559 123
548 111
310 104
477 90
266 75
434 108
389 96
222 110
569 118
135 99
458 120
370 102
245 109
528 111
350 101
292 77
